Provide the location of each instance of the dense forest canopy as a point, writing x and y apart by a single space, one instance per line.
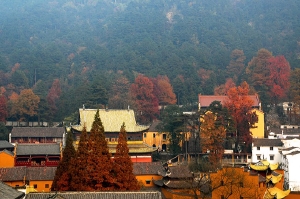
88 44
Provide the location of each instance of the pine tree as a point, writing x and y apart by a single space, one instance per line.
79 165
123 168
62 178
99 159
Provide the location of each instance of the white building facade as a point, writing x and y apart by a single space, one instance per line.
266 149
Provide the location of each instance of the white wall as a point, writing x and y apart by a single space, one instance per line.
265 152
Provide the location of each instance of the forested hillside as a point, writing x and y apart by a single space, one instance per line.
70 53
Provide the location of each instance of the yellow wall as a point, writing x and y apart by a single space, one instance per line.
158 140
259 131
244 185
41 185
6 160
144 178
15 183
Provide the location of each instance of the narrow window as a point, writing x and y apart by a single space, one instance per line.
271 148
258 157
164 136
258 148
145 135
271 157
46 185
35 186
153 135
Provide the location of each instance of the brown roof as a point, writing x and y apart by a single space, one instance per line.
12 174
147 168
112 120
153 126
179 171
37 132
38 149
92 195
40 173
29 173
267 142
206 100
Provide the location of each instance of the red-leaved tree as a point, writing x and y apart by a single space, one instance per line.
279 75
163 90
146 102
53 96
123 169
239 105
62 178
79 164
99 161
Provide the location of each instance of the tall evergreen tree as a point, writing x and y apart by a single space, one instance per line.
62 178
79 165
99 161
123 168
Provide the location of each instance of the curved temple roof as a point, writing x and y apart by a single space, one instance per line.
112 120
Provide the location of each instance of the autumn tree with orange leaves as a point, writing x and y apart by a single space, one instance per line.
53 96
62 178
79 164
239 105
99 163
212 138
24 105
163 90
146 102
123 168
278 80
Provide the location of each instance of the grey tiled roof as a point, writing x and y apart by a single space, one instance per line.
38 149
40 173
93 195
180 171
7 192
12 174
37 132
5 144
147 168
267 142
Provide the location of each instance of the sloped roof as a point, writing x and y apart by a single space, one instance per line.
112 120
12 174
29 173
266 142
38 149
5 144
7 192
92 195
136 147
206 100
40 173
8 152
147 168
293 153
37 132
153 126
179 171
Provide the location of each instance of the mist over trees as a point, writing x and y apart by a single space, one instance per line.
90 52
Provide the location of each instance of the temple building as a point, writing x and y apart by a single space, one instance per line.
112 120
